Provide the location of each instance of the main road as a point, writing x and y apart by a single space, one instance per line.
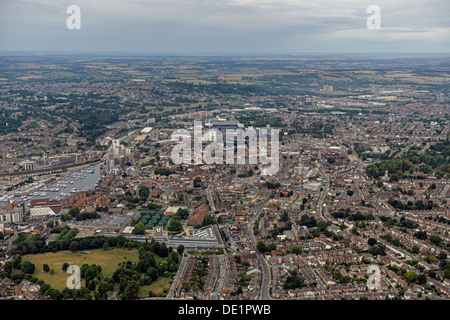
265 271
211 199
323 194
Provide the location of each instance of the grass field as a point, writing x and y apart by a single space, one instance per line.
30 76
107 259
133 136
157 287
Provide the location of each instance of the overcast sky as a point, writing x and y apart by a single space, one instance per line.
225 26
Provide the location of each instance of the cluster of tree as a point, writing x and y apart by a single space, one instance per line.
243 281
249 173
131 205
144 193
93 116
284 216
388 221
147 270
37 244
101 209
175 225
407 223
10 122
393 240
307 221
271 185
435 159
257 120
96 286
418 205
339 278
296 250
422 235
128 282
147 163
131 199
302 206
263 248
382 156
163 172
92 275
197 182
435 239
371 242
209 220
316 129
67 234
403 224
153 206
279 230
321 228
346 214
175 222
439 219
17 269
221 88
410 192
74 213
200 271
181 214
445 267
411 277
293 281
139 228
290 193
378 249
396 167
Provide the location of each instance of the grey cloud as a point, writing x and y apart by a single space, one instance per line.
221 25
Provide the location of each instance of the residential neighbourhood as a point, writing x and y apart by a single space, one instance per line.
362 181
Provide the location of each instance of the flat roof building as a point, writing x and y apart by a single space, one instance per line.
203 238
53 204
41 213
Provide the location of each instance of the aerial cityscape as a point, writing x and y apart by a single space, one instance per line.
224 177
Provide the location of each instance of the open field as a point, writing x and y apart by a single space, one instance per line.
133 136
31 76
157 287
107 259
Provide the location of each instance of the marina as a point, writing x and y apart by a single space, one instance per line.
59 188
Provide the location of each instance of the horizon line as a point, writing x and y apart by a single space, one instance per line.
209 54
